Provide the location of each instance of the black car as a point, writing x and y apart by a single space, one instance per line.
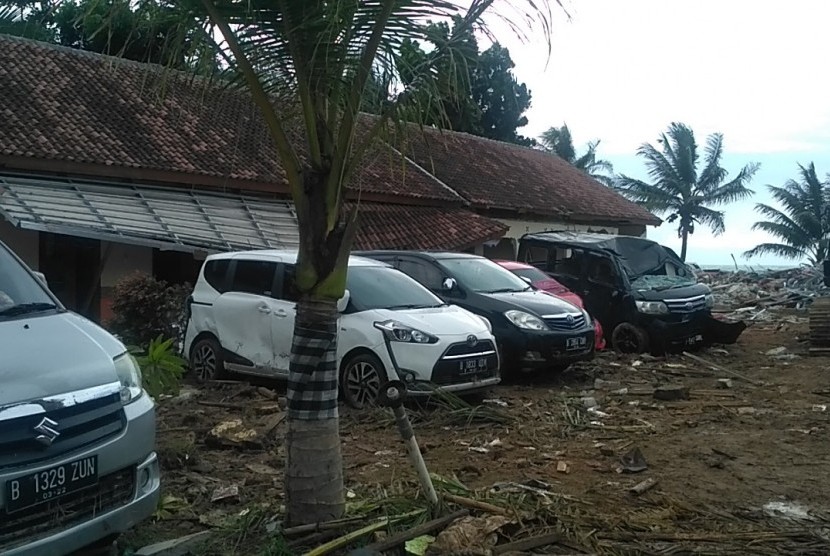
640 291
534 330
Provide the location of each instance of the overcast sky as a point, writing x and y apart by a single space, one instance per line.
622 70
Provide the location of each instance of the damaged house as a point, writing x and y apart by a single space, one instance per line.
109 166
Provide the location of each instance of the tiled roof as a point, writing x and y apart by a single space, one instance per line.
60 104
497 175
383 226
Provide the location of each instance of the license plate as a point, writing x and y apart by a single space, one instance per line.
51 483
472 366
576 343
694 340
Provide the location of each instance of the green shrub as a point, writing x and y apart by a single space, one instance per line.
145 308
161 368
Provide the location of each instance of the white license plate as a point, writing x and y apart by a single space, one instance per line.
576 343
472 366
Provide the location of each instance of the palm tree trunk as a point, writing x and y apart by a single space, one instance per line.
684 234
314 466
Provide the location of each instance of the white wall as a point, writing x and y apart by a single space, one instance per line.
518 228
23 242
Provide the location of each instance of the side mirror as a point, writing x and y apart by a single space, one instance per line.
449 284
41 276
343 302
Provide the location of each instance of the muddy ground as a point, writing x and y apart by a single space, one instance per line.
741 468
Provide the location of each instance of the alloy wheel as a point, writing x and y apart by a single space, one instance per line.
204 361
362 383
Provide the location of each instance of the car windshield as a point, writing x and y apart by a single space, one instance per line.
483 276
532 274
381 287
668 275
20 292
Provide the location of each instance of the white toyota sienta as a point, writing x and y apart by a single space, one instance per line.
241 319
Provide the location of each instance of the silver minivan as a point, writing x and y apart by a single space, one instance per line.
77 430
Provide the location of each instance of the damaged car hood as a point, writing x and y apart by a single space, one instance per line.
79 355
538 302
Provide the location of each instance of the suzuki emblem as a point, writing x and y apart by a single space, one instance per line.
472 340
47 432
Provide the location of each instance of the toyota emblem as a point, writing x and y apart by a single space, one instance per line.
569 319
688 306
472 340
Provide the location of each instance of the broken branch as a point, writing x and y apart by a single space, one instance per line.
721 369
423 529
475 504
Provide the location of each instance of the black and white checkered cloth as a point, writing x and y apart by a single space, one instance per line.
312 377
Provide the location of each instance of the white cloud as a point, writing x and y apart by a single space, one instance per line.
622 70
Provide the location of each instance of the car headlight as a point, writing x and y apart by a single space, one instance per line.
397 332
652 307
525 321
486 322
129 374
710 301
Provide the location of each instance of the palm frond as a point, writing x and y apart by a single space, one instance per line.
734 190
711 218
650 196
777 249
681 149
558 141
713 174
660 169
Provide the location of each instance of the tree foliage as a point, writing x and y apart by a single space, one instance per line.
678 189
141 31
802 224
477 91
558 141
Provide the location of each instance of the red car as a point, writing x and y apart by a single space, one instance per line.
543 282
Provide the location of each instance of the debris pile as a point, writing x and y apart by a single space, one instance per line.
755 295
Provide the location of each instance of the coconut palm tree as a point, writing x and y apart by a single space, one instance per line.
558 141
677 188
306 65
802 225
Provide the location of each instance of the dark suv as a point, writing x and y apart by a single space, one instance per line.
534 330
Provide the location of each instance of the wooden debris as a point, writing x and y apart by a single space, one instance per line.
671 393
721 369
423 529
527 544
562 467
224 405
348 538
321 526
475 504
643 486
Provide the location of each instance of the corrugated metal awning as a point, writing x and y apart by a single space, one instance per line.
174 219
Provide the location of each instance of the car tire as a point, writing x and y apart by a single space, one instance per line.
361 378
629 338
206 361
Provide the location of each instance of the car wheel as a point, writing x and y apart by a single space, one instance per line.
206 360
361 379
629 338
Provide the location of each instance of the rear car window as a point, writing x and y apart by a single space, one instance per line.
255 277
216 274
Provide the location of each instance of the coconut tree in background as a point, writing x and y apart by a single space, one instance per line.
802 225
306 65
558 141
682 190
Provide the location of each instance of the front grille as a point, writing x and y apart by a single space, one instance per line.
82 418
27 525
686 305
567 321
449 369
466 349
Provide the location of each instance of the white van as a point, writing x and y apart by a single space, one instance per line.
241 319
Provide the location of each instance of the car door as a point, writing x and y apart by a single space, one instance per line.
285 310
244 316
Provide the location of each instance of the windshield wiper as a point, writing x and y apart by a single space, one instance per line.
411 306
26 308
507 290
